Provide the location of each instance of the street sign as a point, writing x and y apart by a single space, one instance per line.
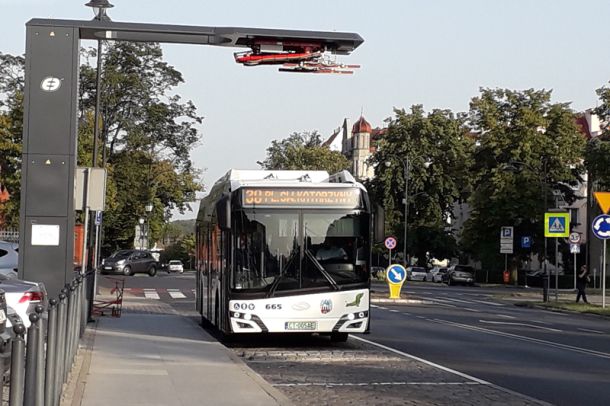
574 248
506 232
574 238
556 224
603 200
601 226
526 241
506 249
390 243
395 277
98 217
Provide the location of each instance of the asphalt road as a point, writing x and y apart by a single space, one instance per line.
559 358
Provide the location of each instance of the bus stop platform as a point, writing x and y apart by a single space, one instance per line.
165 359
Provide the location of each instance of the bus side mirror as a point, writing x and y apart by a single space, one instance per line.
223 212
379 224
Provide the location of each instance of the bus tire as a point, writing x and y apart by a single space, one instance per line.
338 337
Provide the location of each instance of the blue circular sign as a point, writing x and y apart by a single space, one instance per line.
396 273
601 226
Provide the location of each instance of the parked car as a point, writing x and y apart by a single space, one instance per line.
9 255
175 265
22 297
436 274
129 262
460 274
416 273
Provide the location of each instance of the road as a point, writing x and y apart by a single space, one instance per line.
559 358
556 357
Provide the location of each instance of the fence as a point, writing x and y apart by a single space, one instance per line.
41 360
9 235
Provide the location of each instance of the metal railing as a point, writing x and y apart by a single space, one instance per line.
9 235
43 355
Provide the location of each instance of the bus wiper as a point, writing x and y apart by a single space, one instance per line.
279 278
322 270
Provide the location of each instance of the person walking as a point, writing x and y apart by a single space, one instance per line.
581 283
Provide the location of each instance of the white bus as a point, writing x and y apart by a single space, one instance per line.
285 251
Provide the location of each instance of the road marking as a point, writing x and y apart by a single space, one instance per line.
374 306
284 385
452 371
176 294
407 314
488 303
506 323
524 338
394 311
471 310
591 331
458 300
506 316
151 294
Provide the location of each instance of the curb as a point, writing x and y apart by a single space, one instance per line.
530 305
74 388
400 301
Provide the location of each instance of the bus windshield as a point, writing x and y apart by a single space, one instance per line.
290 250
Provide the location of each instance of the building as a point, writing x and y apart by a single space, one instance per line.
357 144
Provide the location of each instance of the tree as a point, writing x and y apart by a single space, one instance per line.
149 133
526 147
597 155
304 151
11 130
441 139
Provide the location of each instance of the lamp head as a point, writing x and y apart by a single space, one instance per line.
148 207
99 8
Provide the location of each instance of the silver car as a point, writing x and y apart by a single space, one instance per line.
416 273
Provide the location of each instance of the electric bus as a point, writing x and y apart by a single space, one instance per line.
285 252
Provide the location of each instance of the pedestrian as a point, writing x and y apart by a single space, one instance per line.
581 283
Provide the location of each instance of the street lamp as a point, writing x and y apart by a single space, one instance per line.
99 8
141 221
148 208
407 168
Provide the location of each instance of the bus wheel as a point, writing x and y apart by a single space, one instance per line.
338 337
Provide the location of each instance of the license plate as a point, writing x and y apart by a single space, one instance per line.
301 325
107 267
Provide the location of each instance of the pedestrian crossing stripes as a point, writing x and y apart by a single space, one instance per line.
160 293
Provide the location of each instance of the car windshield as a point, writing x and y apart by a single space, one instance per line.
290 250
175 263
121 254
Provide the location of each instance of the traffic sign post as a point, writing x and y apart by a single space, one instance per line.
601 229
395 275
506 245
390 243
556 225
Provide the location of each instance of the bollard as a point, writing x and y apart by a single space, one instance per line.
49 379
17 367
60 345
29 398
40 357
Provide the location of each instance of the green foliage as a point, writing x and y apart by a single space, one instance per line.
597 156
183 249
149 133
440 139
11 129
527 147
304 152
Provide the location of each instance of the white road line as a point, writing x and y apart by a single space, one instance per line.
524 338
176 294
591 331
284 385
488 303
506 316
394 311
540 322
458 300
506 323
151 294
452 371
374 306
471 310
407 314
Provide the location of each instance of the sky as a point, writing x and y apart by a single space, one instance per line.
432 52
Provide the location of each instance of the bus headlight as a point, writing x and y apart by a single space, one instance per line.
247 316
361 315
351 316
236 315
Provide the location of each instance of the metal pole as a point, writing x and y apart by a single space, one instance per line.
17 367
49 389
406 167
60 345
39 394
390 259
30 395
505 262
574 271
604 278
547 280
556 268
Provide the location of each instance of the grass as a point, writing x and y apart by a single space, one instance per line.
576 307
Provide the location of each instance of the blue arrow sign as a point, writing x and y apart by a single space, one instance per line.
601 226
396 273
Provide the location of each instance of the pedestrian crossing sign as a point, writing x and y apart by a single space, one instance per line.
556 224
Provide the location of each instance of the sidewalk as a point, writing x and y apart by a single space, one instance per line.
162 358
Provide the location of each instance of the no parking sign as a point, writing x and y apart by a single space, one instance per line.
390 243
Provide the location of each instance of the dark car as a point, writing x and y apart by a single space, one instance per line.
128 262
460 274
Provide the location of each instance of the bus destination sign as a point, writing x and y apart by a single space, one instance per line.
301 197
